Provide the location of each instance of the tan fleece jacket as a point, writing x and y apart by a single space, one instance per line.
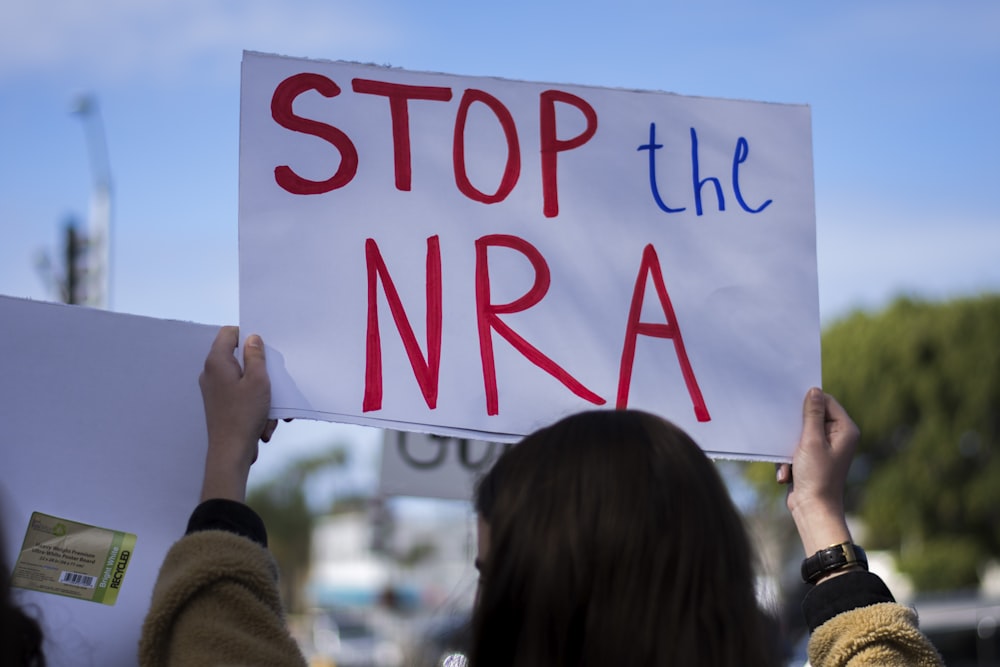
883 634
215 604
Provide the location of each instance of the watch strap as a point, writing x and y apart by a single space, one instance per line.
833 559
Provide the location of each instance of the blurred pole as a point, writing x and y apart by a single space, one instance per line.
74 282
98 246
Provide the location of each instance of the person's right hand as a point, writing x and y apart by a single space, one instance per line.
237 401
818 473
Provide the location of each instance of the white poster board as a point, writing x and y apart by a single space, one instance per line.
103 425
479 257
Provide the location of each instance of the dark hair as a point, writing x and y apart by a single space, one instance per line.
613 541
20 634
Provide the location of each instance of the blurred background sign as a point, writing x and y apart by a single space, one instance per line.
432 466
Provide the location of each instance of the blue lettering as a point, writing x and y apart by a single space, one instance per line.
698 183
739 157
652 147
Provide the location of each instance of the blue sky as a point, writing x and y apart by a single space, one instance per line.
904 97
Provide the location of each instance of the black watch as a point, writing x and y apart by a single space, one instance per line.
832 559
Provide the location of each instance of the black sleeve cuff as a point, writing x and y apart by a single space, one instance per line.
228 515
848 591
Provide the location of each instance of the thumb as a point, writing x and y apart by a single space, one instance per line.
814 414
253 354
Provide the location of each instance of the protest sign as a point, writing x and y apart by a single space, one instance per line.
103 451
434 466
479 257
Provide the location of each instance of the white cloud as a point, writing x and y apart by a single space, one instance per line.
115 40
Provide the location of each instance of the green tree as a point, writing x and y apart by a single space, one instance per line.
289 524
281 502
922 381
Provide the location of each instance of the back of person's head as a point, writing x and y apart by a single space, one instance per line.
613 541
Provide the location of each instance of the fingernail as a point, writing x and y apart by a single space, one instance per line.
254 341
815 394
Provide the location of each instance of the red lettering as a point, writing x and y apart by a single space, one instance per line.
650 265
512 170
425 370
487 318
399 97
551 145
281 110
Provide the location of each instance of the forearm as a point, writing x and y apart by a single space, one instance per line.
224 478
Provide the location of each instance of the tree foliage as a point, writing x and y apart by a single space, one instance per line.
286 514
922 381
282 504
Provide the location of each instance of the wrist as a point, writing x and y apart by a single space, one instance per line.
232 449
226 487
226 472
820 527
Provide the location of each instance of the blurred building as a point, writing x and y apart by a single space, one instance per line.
417 561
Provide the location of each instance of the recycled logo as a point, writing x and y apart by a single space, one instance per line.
59 530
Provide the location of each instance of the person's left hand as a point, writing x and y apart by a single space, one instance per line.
236 402
817 476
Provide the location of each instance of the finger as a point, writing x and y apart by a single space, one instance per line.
225 341
836 412
221 352
269 429
839 425
783 473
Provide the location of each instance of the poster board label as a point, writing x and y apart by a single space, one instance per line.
73 559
